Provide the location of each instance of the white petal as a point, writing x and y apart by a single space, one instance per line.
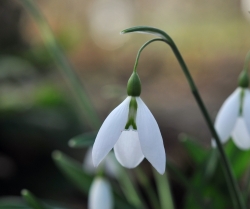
100 195
150 137
240 134
110 131
227 116
128 149
246 108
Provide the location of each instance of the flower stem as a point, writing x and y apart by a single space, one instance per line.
147 187
231 181
232 184
164 190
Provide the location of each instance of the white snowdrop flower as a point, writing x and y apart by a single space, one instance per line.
132 131
110 164
233 119
100 195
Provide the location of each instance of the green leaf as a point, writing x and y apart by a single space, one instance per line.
239 158
164 191
129 189
32 200
73 170
196 151
83 140
147 187
211 164
12 203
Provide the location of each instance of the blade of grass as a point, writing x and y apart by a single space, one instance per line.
164 190
87 108
129 190
83 140
150 192
32 201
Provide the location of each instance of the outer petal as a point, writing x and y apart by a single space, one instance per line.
100 195
227 115
128 149
110 131
246 108
150 137
240 134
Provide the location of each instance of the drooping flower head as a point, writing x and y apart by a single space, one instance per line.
132 131
100 195
233 119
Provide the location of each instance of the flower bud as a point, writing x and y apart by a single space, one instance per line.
243 80
100 195
134 85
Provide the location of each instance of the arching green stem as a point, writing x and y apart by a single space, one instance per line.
231 181
140 50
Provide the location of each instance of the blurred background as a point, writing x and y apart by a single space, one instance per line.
38 112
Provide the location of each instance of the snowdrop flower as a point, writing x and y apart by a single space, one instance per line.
132 131
233 119
100 195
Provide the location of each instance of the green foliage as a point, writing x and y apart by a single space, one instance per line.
32 201
73 170
83 140
208 176
12 203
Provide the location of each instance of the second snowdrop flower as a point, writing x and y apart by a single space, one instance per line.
100 195
132 131
233 119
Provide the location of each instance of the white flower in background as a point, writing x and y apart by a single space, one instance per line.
233 119
133 132
100 195
110 164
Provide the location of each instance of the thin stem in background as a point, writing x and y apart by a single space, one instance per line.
164 191
231 181
129 189
87 108
150 192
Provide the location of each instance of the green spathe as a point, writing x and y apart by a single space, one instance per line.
134 85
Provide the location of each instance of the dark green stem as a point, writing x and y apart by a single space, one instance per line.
232 184
231 181
140 50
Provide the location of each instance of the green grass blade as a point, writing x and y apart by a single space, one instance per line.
87 109
73 170
129 190
164 190
32 201
83 140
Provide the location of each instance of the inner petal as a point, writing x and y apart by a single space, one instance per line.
240 134
128 149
